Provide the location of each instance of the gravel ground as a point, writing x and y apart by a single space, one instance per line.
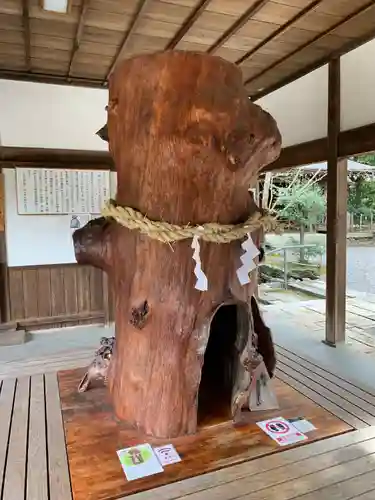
360 259
361 268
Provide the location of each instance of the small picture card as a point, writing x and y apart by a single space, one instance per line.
139 461
281 431
262 396
167 454
302 425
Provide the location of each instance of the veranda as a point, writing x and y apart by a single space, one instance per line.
299 61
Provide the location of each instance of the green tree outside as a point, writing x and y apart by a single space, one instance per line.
303 204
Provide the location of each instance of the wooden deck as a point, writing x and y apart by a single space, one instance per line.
33 460
310 314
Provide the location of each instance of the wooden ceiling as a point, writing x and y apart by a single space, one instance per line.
273 41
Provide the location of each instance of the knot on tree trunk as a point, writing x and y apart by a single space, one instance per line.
139 315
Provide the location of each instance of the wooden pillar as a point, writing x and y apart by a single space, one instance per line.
3 267
336 217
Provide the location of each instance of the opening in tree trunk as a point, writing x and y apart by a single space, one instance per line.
228 336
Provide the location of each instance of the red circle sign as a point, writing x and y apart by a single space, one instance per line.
277 427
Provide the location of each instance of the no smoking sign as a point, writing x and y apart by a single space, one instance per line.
277 427
281 431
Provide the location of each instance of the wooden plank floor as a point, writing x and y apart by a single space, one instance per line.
334 469
217 444
33 461
310 315
343 398
52 363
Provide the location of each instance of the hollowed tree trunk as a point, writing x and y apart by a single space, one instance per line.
187 144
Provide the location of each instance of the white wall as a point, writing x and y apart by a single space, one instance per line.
53 116
33 240
358 87
300 108
35 115
38 115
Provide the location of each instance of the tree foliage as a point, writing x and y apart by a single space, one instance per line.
361 197
367 159
301 203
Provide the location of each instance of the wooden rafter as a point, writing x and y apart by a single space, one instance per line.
280 31
319 36
348 47
187 24
240 23
41 77
77 40
142 4
26 33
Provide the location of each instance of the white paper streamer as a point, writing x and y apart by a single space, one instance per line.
247 259
202 282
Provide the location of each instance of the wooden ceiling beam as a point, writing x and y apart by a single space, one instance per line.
280 31
345 49
319 36
39 77
55 158
187 24
240 23
357 141
142 4
350 143
77 40
26 33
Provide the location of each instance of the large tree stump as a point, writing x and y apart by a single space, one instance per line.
187 144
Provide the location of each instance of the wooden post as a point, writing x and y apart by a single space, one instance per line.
336 217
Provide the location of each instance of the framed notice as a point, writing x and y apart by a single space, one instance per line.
41 191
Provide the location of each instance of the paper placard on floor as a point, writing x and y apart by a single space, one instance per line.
302 425
281 431
139 461
167 454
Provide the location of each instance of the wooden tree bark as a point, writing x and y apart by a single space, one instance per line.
187 144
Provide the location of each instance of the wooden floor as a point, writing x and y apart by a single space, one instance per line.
33 461
310 314
216 445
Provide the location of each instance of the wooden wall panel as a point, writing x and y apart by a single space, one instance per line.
55 296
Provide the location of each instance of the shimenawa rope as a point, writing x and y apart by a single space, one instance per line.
169 233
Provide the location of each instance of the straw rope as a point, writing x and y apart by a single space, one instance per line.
169 233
